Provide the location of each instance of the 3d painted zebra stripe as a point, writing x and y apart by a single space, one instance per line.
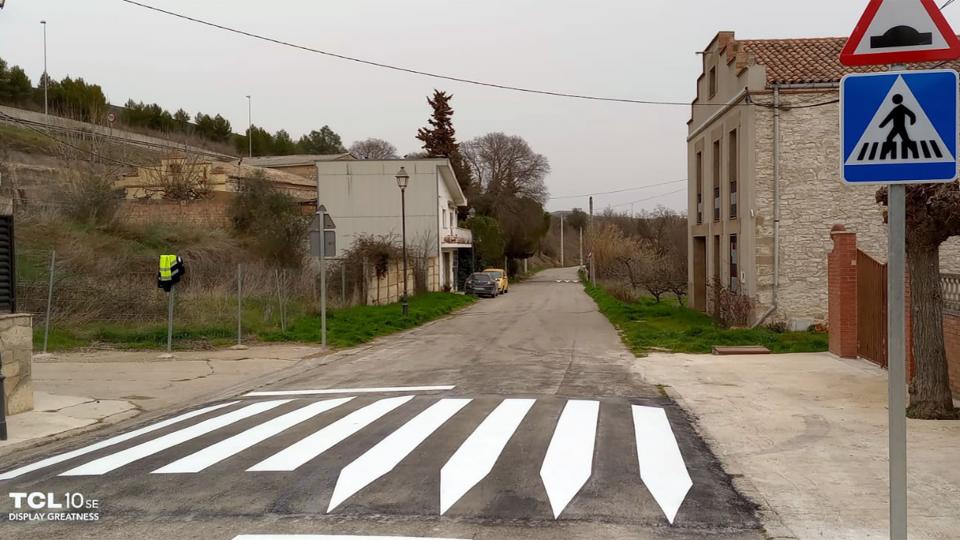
661 465
332 537
125 457
349 391
386 454
569 460
475 458
294 456
216 453
111 441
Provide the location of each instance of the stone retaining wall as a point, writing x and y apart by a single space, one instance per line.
16 352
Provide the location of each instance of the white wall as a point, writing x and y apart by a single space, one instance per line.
363 199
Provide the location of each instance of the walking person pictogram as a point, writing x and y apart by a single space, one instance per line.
898 116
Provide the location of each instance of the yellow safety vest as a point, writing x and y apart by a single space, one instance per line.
166 267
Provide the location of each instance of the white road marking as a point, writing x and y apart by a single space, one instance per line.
476 457
662 468
348 391
661 465
110 442
216 453
569 460
331 537
125 457
312 446
383 457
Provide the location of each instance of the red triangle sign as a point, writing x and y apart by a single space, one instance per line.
900 32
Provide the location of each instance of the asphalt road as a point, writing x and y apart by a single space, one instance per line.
528 424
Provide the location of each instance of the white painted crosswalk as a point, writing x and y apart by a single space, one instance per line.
288 434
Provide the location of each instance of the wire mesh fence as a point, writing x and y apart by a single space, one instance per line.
228 298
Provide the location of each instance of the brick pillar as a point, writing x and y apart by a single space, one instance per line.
842 286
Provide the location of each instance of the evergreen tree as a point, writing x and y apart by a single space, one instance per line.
440 138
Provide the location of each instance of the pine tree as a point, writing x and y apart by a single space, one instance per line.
440 138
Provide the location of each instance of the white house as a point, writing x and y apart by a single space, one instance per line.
363 199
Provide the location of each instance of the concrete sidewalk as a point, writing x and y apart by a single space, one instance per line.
808 435
80 391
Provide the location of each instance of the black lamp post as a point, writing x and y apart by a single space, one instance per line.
402 180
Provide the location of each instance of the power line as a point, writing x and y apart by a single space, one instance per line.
615 191
411 70
649 198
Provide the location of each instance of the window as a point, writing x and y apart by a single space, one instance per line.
734 267
734 164
699 188
445 223
716 180
713 81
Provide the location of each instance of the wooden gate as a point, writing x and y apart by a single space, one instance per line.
871 309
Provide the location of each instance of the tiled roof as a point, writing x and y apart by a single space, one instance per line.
811 60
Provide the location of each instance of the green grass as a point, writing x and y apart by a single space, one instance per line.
646 324
355 325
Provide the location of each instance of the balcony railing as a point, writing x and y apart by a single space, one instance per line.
950 284
457 237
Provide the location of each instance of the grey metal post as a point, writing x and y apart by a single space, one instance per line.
250 124
46 76
323 279
239 305
561 241
896 354
581 246
283 322
46 322
170 318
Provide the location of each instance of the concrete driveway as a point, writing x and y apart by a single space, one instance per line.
519 417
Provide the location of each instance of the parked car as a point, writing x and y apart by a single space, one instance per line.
503 285
481 284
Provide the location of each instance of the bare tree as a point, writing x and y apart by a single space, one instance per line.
373 149
505 166
933 216
185 178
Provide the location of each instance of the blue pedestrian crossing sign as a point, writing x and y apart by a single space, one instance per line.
899 127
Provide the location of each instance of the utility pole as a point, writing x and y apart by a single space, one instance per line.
250 124
581 245
593 264
46 76
561 240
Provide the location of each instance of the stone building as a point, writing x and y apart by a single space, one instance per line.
764 177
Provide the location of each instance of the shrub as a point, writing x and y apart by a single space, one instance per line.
272 219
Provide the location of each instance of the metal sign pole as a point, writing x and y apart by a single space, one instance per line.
896 354
239 306
170 319
323 279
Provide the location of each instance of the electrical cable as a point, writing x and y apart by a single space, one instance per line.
615 191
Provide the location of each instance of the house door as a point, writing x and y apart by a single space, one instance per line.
715 280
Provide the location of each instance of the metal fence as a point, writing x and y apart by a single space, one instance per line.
73 292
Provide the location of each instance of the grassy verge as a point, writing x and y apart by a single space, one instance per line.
345 328
645 325
355 325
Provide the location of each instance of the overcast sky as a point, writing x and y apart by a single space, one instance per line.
642 49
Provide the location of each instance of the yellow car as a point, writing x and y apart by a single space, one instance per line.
503 285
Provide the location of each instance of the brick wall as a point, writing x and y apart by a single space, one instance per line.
951 338
842 278
212 212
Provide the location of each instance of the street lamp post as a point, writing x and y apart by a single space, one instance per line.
402 180
250 124
46 77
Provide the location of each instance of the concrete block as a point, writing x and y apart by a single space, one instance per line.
799 325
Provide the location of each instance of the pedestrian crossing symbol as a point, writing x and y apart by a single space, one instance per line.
899 127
